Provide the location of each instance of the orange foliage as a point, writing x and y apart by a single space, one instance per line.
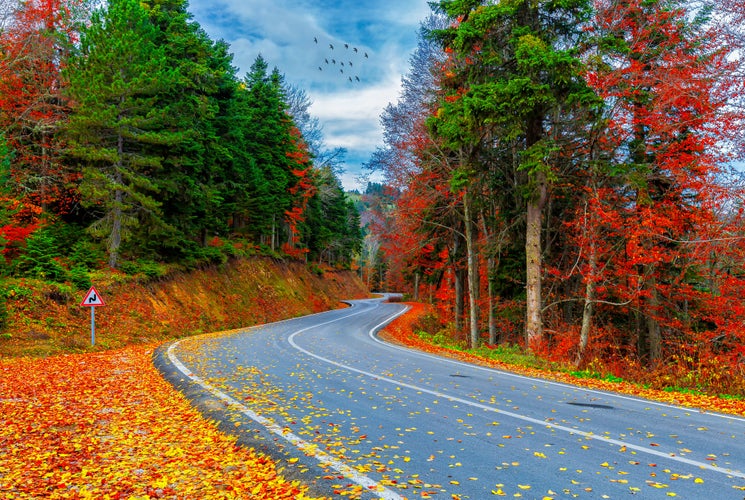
86 426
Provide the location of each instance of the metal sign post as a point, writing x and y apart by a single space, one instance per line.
92 299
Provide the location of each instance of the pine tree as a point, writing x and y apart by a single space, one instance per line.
269 138
115 83
192 180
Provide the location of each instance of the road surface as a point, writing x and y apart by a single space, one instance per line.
349 414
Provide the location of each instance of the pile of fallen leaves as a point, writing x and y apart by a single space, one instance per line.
402 331
107 425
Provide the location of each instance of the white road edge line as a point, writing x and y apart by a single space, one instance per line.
307 448
569 430
552 382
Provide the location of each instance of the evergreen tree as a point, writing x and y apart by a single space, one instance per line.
332 230
192 181
269 139
115 82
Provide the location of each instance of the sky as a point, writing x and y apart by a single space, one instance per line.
374 40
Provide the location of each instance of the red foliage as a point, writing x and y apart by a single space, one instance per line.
656 239
302 190
32 50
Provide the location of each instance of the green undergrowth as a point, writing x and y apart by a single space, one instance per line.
430 331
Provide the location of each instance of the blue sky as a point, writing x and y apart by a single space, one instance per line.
283 32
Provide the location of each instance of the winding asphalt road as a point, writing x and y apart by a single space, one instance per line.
347 413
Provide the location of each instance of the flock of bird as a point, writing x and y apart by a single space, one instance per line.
343 61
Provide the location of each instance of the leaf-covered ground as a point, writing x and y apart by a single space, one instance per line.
107 425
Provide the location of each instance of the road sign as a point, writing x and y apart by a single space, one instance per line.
92 299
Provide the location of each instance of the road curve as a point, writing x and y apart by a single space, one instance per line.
347 413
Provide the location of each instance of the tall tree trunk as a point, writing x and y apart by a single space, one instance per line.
491 266
460 294
534 320
473 274
115 238
459 281
589 309
654 334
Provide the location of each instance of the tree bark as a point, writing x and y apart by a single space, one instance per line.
534 321
473 274
459 281
589 309
115 238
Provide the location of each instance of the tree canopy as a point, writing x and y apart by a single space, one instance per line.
568 174
129 139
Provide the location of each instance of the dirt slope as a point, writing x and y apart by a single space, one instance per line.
44 320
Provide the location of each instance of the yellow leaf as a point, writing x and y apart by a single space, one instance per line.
698 480
523 486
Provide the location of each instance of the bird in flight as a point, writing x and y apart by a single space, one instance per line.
349 62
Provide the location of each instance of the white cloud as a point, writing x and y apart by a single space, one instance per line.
282 31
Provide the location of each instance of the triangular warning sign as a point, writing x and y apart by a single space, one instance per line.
92 299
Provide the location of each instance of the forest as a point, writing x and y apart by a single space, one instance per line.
129 142
566 176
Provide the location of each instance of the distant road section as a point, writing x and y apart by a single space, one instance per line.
347 413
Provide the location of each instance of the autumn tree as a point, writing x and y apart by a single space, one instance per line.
35 41
512 82
653 213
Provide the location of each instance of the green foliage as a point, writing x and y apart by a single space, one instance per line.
595 375
4 314
80 277
332 229
86 254
41 258
118 122
16 291
146 267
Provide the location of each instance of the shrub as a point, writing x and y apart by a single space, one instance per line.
41 259
80 277
148 268
87 255
3 311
